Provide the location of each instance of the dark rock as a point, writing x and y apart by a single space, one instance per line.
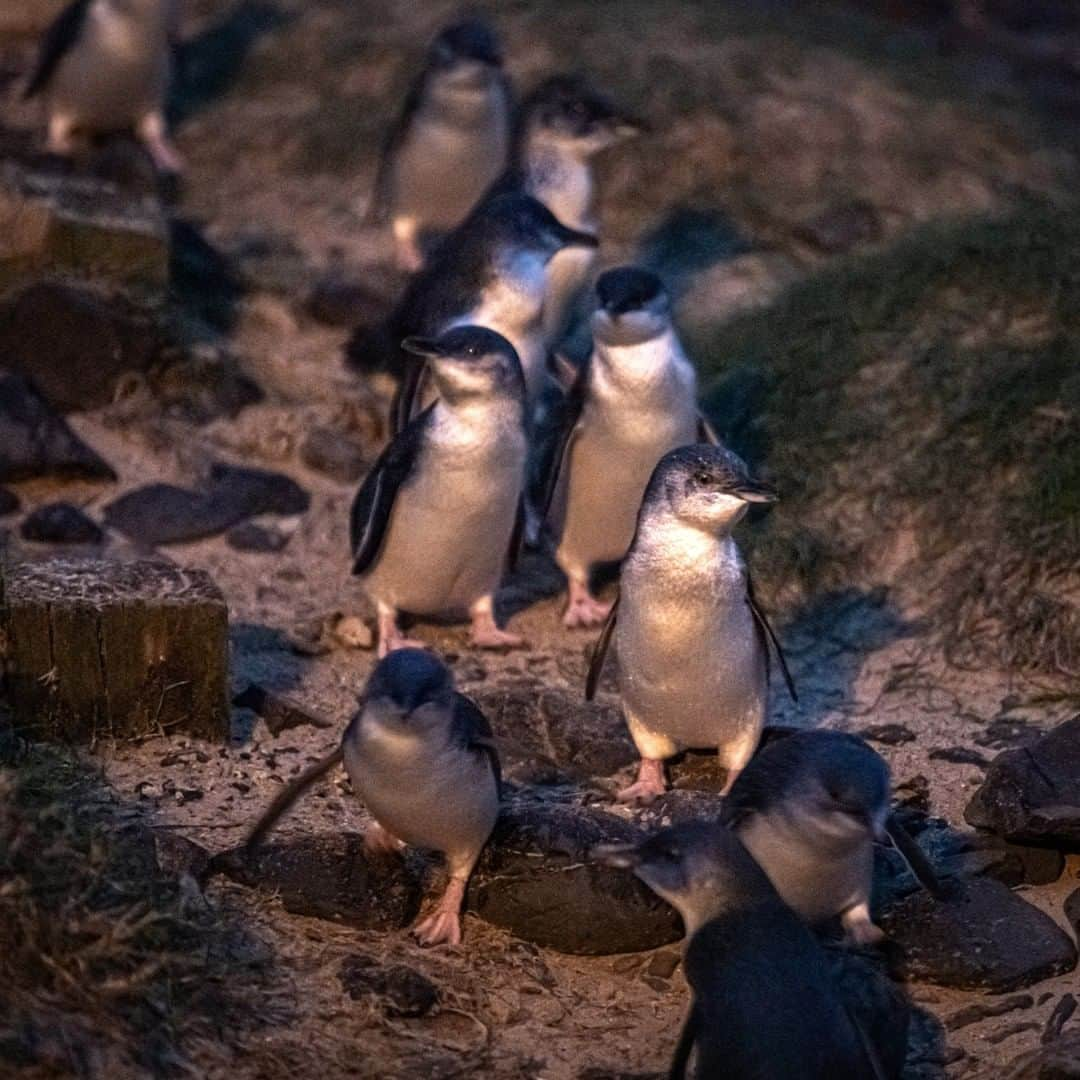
279 712
60 523
251 537
974 1014
959 755
1057 1019
983 937
1007 1032
843 227
401 991
330 876
888 734
1006 732
1033 793
258 491
536 879
9 502
334 454
1058 1060
166 514
600 1072
177 855
204 385
1072 910
34 441
913 794
339 302
74 343
662 964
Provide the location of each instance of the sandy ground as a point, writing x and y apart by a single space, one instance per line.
770 126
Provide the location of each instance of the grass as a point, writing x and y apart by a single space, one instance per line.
918 408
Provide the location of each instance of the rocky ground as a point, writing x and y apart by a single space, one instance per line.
782 142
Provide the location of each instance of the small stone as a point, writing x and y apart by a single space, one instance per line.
354 633
1005 732
995 1037
258 491
913 794
1061 1015
959 755
279 713
842 227
334 454
661 986
401 990
972 1014
662 964
888 734
259 538
60 523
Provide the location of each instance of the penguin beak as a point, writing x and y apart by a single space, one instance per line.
627 127
422 346
618 856
756 491
575 238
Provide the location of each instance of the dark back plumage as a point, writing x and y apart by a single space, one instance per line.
56 44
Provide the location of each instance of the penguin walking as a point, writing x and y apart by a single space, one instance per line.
629 404
769 1003
449 143
104 66
563 125
435 518
809 808
692 643
423 760
492 272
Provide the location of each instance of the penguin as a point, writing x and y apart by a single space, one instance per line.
423 759
105 66
693 644
451 140
434 519
630 403
563 125
491 272
769 1003
809 808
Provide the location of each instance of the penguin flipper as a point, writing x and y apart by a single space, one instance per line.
472 730
912 854
517 536
768 639
685 1046
410 390
288 795
706 433
382 194
596 661
374 501
567 419
57 43
870 1053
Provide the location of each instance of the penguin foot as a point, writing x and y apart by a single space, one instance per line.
377 841
649 785
858 927
584 610
439 928
491 637
397 641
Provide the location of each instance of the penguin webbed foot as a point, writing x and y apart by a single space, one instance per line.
583 609
859 928
485 633
379 842
648 787
443 925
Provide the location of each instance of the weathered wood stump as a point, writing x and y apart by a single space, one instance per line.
96 649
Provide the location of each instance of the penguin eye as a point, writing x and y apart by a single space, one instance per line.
702 477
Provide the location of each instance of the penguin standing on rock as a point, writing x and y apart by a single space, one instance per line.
491 271
434 521
769 1003
693 645
104 66
563 125
450 141
809 808
422 758
629 404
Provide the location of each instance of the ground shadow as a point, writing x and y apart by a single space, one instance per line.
263 655
202 280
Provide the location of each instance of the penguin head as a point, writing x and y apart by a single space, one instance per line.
705 486
517 224
408 688
632 306
566 111
465 52
470 362
698 867
841 787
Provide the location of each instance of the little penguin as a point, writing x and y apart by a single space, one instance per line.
562 126
809 808
630 403
491 271
692 643
450 142
768 1000
104 66
423 759
435 518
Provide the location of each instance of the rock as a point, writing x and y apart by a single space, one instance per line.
352 632
1033 793
1058 1060
334 454
176 855
983 937
79 226
1005 732
204 384
536 880
279 712
400 990
75 343
98 649
330 876
1072 910
251 537
258 491
913 794
60 523
974 1014
888 734
34 441
9 502
959 755
662 964
840 228
336 301
1057 1019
